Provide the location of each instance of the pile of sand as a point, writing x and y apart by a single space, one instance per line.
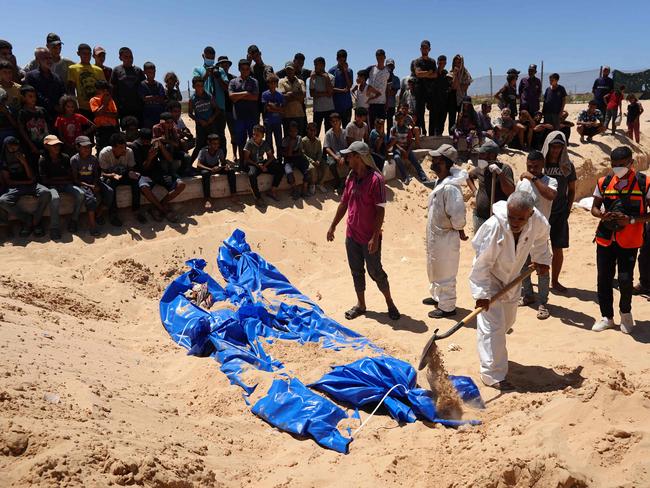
94 393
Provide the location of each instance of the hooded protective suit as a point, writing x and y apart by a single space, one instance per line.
446 217
498 261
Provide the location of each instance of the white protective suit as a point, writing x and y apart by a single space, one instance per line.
496 264
446 217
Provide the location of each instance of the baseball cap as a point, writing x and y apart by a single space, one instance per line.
98 50
489 146
83 141
425 43
51 140
390 62
11 140
253 49
533 67
513 71
607 67
289 65
362 149
53 38
446 151
224 59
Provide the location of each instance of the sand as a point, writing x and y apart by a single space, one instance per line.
94 393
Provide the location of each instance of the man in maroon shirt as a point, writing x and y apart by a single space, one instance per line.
364 200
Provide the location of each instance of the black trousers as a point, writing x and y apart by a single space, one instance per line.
346 116
390 115
135 191
421 101
376 111
206 176
644 258
437 115
275 169
319 118
358 256
452 109
607 260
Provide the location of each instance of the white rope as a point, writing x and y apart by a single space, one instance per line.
376 408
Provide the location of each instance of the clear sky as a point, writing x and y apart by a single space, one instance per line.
569 35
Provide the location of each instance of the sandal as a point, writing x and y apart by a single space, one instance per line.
543 313
354 312
393 313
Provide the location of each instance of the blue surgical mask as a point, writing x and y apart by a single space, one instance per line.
208 62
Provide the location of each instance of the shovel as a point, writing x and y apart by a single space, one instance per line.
432 341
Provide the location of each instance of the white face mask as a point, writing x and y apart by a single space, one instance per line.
482 164
620 171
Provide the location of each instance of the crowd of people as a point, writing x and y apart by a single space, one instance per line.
84 129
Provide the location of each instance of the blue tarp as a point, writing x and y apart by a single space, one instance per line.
244 318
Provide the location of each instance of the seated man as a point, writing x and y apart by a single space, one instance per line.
118 168
156 168
502 244
255 165
401 142
590 122
333 144
20 180
56 174
212 161
540 130
169 136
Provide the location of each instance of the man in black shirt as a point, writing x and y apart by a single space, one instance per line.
424 70
259 71
125 81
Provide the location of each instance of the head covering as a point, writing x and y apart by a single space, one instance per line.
51 140
533 67
53 38
98 50
445 151
459 78
558 137
362 149
224 59
83 141
513 71
390 62
289 65
489 146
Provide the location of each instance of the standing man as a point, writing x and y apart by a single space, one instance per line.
125 82
321 89
224 63
391 93
602 86
343 77
515 231
445 230
99 55
643 288
244 94
82 78
293 90
59 65
377 82
489 167
215 84
303 74
259 71
364 200
49 87
530 91
424 70
439 98
625 195
554 101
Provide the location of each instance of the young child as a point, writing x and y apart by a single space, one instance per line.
357 130
409 120
614 101
56 175
313 151
401 142
85 175
8 122
378 143
202 109
254 163
273 103
634 111
152 94
32 123
359 91
212 161
172 88
71 124
130 126
104 111
408 97
295 159
19 179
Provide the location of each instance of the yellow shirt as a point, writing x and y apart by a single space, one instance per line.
84 77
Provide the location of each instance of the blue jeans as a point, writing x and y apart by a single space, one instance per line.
414 161
274 131
9 200
244 130
76 193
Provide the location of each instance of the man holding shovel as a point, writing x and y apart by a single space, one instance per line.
502 244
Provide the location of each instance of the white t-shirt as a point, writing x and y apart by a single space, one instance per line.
542 204
378 79
356 133
361 97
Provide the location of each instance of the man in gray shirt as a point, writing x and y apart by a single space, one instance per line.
334 143
321 88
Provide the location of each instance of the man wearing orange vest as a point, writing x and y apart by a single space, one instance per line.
625 195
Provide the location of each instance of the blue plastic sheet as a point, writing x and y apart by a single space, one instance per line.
290 406
244 318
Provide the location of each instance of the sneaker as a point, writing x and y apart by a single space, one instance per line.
440 314
627 323
603 324
430 301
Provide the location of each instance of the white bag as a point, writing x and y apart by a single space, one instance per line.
389 169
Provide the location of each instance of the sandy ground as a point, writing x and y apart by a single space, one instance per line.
94 393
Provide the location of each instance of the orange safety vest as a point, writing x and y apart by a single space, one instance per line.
633 201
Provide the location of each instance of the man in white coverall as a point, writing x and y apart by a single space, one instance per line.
445 229
502 246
